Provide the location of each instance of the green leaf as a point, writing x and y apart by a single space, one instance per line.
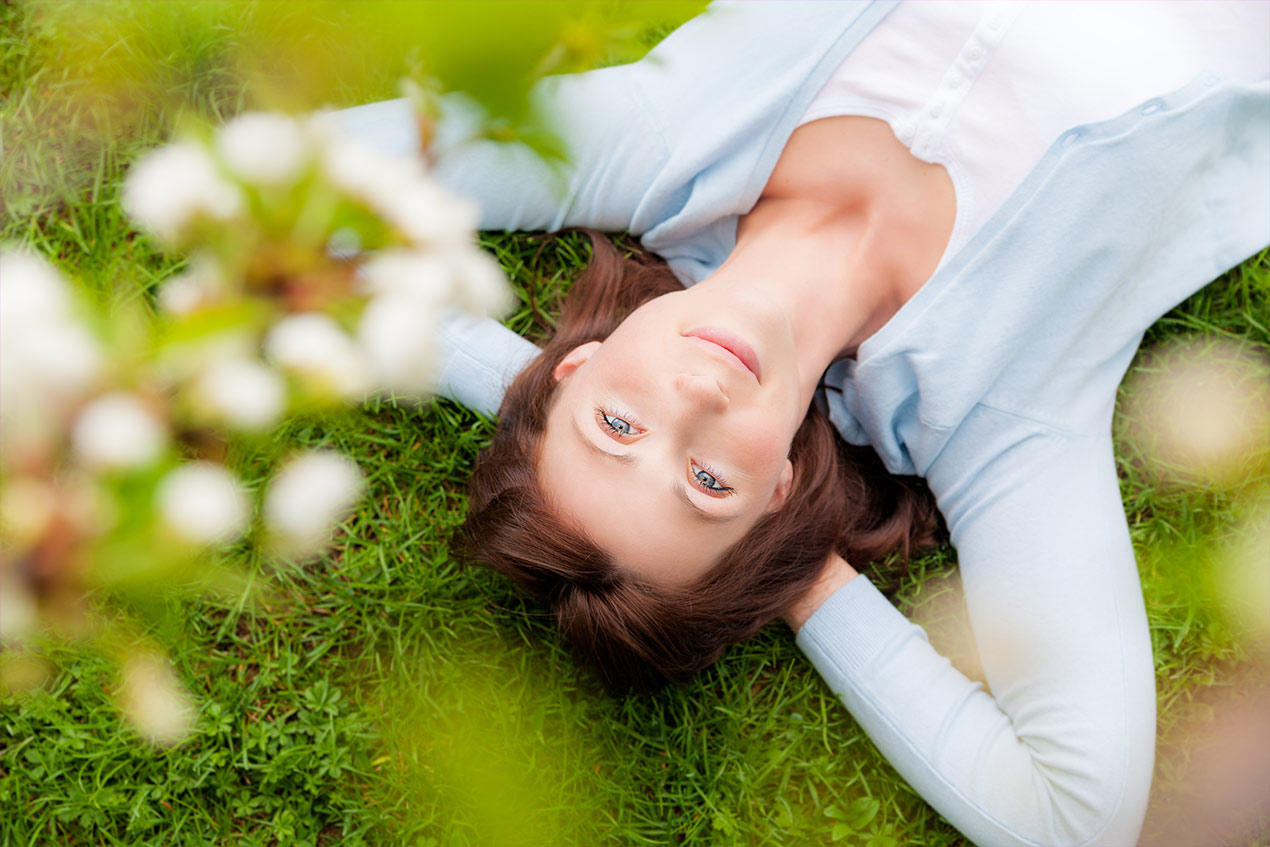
841 831
861 812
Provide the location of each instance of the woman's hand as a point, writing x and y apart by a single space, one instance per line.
836 574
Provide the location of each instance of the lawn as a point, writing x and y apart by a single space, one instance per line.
389 693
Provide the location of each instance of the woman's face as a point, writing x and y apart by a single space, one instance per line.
670 439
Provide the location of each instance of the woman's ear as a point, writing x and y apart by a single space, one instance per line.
782 487
574 359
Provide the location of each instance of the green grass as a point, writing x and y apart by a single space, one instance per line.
390 694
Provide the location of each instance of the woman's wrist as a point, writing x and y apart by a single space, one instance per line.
836 574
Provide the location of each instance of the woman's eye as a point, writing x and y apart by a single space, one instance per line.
618 425
708 480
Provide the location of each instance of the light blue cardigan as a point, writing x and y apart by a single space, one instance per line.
996 382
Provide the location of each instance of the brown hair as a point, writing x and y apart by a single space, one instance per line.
635 634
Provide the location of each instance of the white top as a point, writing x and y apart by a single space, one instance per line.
948 76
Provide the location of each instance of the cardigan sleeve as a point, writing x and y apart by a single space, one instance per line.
1059 748
612 152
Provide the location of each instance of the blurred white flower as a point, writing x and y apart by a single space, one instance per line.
153 700
481 285
32 292
308 497
399 189
118 432
314 348
409 274
265 148
399 337
48 360
373 176
182 360
196 287
430 215
203 503
43 369
1200 409
169 188
242 392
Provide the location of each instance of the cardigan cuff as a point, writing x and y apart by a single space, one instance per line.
851 628
481 358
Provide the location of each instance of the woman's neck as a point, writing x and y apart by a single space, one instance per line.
823 268
848 227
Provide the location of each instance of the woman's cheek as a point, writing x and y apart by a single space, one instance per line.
763 442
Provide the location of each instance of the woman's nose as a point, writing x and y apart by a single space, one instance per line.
704 391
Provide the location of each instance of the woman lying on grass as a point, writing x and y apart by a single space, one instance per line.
939 230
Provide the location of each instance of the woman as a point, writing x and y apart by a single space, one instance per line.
961 225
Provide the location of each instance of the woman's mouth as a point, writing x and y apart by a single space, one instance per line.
727 346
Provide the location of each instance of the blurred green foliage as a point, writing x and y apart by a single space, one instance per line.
111 68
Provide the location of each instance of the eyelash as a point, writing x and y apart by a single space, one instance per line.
724 490
604 417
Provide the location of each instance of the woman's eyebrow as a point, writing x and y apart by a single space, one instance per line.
624 458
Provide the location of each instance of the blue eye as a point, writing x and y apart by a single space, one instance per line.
615 424
708 480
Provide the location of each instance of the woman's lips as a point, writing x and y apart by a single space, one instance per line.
735 347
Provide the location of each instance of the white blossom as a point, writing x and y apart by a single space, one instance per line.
265 148
373 176
398 189
153 700
1200 408
430 215
168 189
61 358
481 286
410 274
203 503
314 348
197 287
183 360
43 369
48 359
308 497
31 292
399 337
242 392
117 432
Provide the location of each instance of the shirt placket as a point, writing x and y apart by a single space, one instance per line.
926 129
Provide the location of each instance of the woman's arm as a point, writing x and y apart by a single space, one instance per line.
1059 749
836 574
